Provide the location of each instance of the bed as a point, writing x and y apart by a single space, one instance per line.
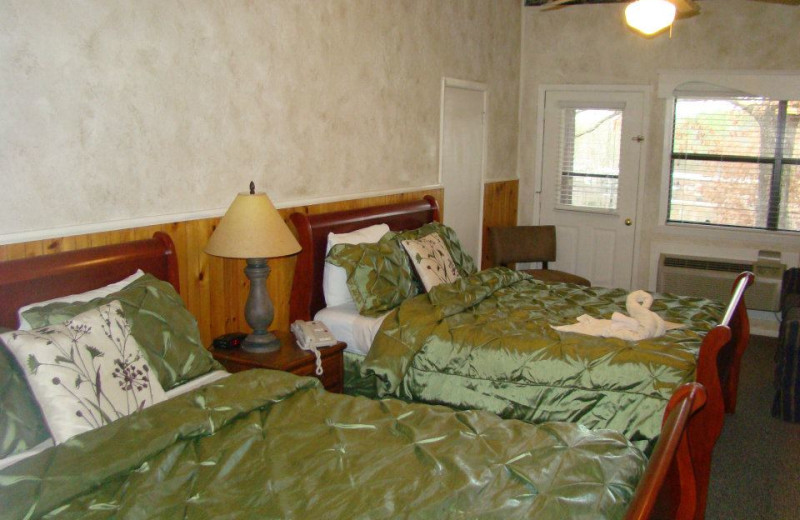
453 357
271 444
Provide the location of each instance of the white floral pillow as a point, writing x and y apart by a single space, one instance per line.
85 372
432 260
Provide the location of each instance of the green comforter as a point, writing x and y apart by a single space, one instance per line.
265 444
485 342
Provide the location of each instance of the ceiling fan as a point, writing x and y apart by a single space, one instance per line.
649 17
681 5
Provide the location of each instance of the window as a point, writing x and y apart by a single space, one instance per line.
590 157
736 162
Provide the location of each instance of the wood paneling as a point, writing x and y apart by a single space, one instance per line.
499 209
215 289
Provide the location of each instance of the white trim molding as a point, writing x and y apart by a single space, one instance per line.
503 179
760 83
155 220
769 83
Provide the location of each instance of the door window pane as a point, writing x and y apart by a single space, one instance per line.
590 158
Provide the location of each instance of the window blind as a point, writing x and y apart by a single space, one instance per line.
736 162
589 158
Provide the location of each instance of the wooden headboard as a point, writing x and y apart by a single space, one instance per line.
29 280
312 233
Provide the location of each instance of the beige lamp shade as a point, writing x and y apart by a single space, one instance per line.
252 228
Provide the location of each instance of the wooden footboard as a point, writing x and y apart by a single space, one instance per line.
718 367
668 488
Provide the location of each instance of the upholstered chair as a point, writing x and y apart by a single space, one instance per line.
513 244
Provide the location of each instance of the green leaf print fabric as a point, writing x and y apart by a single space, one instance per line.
165 330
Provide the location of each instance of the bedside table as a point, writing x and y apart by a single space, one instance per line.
289 358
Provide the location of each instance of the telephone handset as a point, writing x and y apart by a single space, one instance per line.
312 335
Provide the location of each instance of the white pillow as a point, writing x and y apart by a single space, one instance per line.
334 278
85 372
82 297
432 260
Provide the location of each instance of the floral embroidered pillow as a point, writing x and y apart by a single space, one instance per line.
464 263
85 372
432 260
164 329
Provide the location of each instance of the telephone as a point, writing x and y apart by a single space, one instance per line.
312 335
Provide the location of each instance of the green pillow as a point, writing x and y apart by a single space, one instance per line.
21 423
165 330
464 262
379 275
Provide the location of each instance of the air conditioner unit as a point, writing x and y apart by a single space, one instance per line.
713 278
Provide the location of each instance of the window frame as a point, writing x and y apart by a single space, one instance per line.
715 84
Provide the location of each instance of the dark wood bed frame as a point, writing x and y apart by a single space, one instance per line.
312 233
40 278
719 358
667 489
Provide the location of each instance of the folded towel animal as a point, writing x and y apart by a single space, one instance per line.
641 324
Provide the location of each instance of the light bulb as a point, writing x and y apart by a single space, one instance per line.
650 16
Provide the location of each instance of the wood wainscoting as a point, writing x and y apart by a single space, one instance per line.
500 200
215 289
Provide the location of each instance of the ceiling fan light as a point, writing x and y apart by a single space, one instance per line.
650 16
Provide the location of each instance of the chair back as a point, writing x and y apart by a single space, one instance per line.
512 244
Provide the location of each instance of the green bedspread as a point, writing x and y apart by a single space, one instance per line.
485 342
265 444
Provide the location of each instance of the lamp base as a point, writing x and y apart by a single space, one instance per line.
267 342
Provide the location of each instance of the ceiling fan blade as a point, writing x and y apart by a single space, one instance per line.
686 7
555 4
785 2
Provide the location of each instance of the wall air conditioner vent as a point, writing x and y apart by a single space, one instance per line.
706 265
713 278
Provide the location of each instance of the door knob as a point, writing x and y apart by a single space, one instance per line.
628 222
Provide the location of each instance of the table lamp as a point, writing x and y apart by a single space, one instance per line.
254 230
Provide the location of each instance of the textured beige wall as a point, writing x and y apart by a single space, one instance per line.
116 110
590 45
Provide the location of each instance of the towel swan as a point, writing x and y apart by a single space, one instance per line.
641 324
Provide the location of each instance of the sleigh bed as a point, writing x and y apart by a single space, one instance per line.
471 344
270 444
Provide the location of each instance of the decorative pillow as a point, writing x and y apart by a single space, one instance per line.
82 297
165 330
21 423
432 260
86 372
334 278
464 263
379 275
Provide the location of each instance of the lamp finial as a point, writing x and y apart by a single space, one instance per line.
252 188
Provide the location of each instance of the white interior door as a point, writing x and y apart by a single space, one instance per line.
462 161
589 182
